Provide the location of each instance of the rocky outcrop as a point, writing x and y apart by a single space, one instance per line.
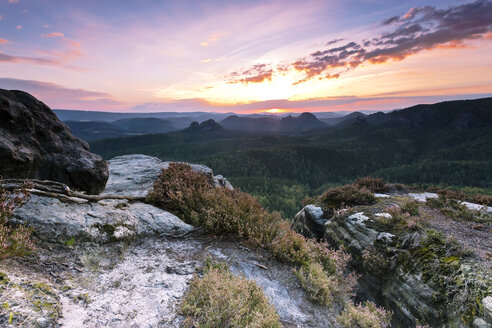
134 175
35 144
119 263
310 222
408 270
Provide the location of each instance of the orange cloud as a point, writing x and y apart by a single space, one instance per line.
421 28
3 41
61 35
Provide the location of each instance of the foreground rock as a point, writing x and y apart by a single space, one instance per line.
119 263
35 144
406 263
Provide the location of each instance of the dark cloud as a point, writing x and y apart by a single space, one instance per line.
421 28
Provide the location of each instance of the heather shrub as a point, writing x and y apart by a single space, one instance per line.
220 299
317 283
366 315
410 207
13 241
192 196
453 209
349 195
372 184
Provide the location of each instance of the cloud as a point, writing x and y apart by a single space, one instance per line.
3 41
256 74
13 1
57 96
344 103
62 36
213 38
421 28
19 27
26 59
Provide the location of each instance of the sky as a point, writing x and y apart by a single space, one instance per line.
245 56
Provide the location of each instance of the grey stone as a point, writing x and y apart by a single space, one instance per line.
487 308
309 222
134 175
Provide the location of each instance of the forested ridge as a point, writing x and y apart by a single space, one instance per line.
421 146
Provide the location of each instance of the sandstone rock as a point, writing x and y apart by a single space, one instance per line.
134 175
309 222
34 143
481 323
487 308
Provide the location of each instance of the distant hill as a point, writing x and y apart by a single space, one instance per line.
145 125
350 118
447 144
271 125
95 130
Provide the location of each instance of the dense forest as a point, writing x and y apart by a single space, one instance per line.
447 144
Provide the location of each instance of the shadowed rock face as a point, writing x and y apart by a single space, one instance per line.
35 144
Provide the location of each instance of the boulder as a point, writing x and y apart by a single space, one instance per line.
309 222
395 268
35 144
134 175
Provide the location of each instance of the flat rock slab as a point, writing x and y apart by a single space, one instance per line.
103 221
142 284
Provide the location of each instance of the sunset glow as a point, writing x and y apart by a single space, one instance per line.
254 56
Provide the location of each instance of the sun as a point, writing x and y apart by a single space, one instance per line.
274 111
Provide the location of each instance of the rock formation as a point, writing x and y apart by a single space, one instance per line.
35 144
119 263
411 271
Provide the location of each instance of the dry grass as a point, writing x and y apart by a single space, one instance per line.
13 241
220 299
366 315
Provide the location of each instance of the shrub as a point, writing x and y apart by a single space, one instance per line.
372 184
192 196
456 211
319 286
366 315
410 207
13 241
220 299
349 195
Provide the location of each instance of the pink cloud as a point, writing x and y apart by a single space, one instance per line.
3 41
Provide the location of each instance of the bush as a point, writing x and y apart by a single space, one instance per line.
220 299
451 208
366 315
372 184
410 207
13 241
192 196
349 195
315 281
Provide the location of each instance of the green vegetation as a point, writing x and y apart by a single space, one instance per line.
282 170
13 241
453 209
221 299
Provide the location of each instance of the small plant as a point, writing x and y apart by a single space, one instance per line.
317 283
410 207
13 241
349 195
454 210
372 184
366 315
220 299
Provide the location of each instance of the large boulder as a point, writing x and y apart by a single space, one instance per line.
409 270
35 144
